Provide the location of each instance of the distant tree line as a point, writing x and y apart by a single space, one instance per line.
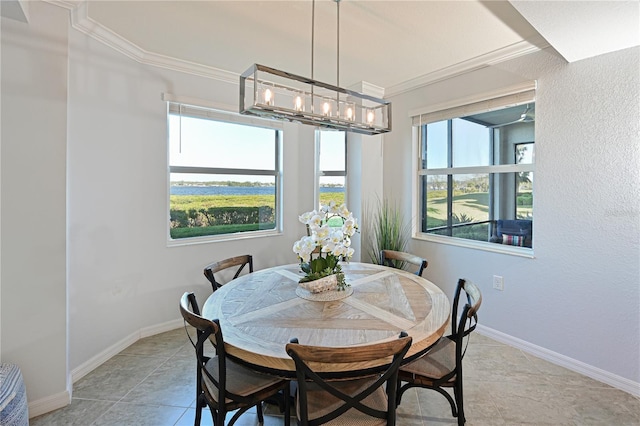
215 216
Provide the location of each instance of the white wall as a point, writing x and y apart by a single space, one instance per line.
579 297
33 199
71 104
122 275
83 111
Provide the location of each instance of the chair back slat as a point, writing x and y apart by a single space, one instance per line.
308 357
474 297
397 259
237 261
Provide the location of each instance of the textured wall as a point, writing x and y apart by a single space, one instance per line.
579 296
33 262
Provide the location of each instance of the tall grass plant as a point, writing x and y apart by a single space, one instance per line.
387 230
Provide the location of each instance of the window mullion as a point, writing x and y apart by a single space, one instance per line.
450 178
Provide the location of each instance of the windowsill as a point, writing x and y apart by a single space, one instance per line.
222 238
477 245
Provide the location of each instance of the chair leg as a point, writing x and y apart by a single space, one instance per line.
214 416
259 410
199 406
457 391
220 416
287 405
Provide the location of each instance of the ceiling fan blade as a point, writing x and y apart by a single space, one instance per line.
524 118
520 120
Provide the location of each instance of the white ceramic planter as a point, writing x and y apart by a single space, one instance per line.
323 284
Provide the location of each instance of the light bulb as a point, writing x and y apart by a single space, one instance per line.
349 112
371 116
268 97
326 108
297 103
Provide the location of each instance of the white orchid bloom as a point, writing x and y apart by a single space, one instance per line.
323 232
343 211
336 236
306 217
328 247
339 250
315 221
349 227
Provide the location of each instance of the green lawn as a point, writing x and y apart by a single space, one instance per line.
189 212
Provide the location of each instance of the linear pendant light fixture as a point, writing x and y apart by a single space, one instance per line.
271 93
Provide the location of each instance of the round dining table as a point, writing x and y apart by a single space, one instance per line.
261 312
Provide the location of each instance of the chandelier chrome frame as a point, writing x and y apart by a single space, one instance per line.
280 95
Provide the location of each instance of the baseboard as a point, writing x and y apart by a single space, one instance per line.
580 367
50 403
161 328
62 399
93 363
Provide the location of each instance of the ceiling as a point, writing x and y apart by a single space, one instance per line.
394 45
375 36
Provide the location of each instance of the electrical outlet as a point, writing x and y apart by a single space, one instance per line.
498 282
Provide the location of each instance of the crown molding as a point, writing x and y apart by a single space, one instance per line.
81 21
495 57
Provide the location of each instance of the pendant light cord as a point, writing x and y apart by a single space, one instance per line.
313 23
338 43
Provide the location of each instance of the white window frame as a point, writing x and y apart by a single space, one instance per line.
507 97
322 173
204 110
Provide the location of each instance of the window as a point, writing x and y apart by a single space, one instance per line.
475 176
331 176
224 174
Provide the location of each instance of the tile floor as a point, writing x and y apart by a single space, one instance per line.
152 383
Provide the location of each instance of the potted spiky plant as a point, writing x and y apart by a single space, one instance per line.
386 230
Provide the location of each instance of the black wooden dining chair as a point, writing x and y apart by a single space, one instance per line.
347 398
222 384
238 261
398 259
441 367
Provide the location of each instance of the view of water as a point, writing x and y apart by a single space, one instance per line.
235 190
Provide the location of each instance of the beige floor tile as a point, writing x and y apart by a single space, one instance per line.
408 413
530 403
153 383
163 345
115 378
173 383
125 414
80 412
599 406
497 363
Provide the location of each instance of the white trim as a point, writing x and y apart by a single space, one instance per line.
579 367
49 403
474 244
99 359
497 56
199 102
470 170
204 108
81 21
180 242
524 87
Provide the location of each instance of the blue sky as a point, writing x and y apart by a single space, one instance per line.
210 143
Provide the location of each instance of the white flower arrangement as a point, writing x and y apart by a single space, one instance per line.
329 232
